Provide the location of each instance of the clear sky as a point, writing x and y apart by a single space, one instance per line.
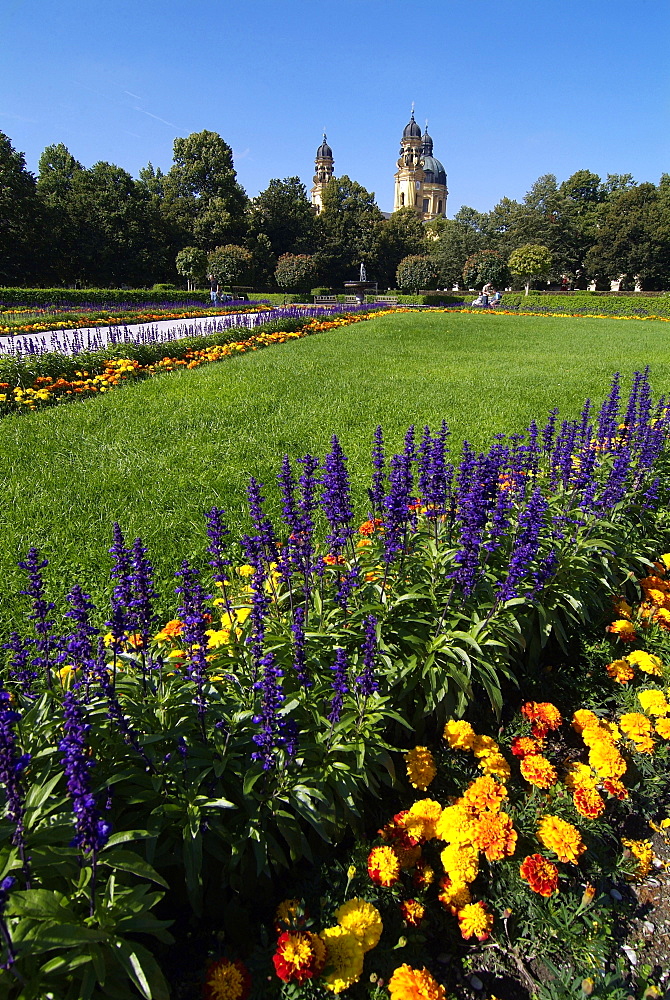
511 89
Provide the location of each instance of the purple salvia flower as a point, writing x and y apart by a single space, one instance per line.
299 643
122 594
217 532
410 445
348 584
396 508
376 493
336 498
526 545
260 602
548 432
12 763
262 525
20 663
366 680
144 593
269 738
307 504
46 642
425 463
339 685
545 572
92 832
78 647
608 418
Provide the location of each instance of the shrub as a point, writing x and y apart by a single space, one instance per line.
415 272
484 267
529 261
228 265
295 271
43 297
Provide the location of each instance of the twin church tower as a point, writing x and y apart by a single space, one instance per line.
420 180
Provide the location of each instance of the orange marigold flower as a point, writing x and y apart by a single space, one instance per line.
582 718
420 767
620 671
383 866
368 527
662 618
587 802
331 560
643 853
635 725
226 980
475 921
453 895
412 912
615 787
663 728
538 771
522 746
300 955
561 837
622 608
623 629
483 793
495 763
407 983
649 583
170 630
494 835
540 874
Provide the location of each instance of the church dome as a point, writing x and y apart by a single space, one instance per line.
324 151
427 149
411 130
433 169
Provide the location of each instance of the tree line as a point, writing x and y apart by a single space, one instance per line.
99 226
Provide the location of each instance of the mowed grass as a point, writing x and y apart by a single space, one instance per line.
155 456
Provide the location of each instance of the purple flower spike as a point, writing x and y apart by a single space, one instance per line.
336 499
376 493
192 613
12 763
299 655
270 737
366 680
339 685
46 642
92 832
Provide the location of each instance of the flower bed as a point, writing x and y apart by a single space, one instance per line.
185 773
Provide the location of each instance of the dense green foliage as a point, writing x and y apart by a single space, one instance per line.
295 272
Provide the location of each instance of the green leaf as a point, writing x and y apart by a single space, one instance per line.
125 835
128 861
142 968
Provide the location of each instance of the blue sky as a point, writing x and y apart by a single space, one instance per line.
511 90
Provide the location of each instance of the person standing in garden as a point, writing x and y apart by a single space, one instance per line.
487 291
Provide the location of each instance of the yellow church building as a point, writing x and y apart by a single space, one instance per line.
420 180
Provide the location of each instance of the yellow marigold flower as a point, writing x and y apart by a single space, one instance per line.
453 895
538 771
580 776
601 732
662 618
494 835
484 746
635 725
453 826
475 921
412 912
361 919
420 767
587 802
289 914
561 837
216 639
459 734
483 793
647 662
421 819
606 760
620 671
582 718
643 853
344 959
622 608
663 728
665 559
496 764
653 702
460 862
407 983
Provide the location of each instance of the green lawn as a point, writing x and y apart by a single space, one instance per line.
155 456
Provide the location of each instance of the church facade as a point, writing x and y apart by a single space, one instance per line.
420 180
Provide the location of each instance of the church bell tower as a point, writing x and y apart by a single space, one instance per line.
324 173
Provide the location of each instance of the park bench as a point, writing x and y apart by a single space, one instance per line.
350 300
325 300
387 300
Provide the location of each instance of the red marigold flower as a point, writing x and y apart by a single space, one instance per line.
383 866
226 980
587 802
623 629
540 874
522 746
412 912
300 955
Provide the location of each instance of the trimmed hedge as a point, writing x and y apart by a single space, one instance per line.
588 303
96 296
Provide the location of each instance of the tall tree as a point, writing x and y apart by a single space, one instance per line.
401 236
633 241
202 196
349 227
451 242
19 212
284 214
57 170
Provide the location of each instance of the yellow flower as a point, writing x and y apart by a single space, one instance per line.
216 639
537 770
459 734
663 728
475 921
420 767
562 838
453 826
646 662
643 853
484 746
653 702
344 958
620 671
361 919
496 764
483 793
245 570
421 819
460 862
